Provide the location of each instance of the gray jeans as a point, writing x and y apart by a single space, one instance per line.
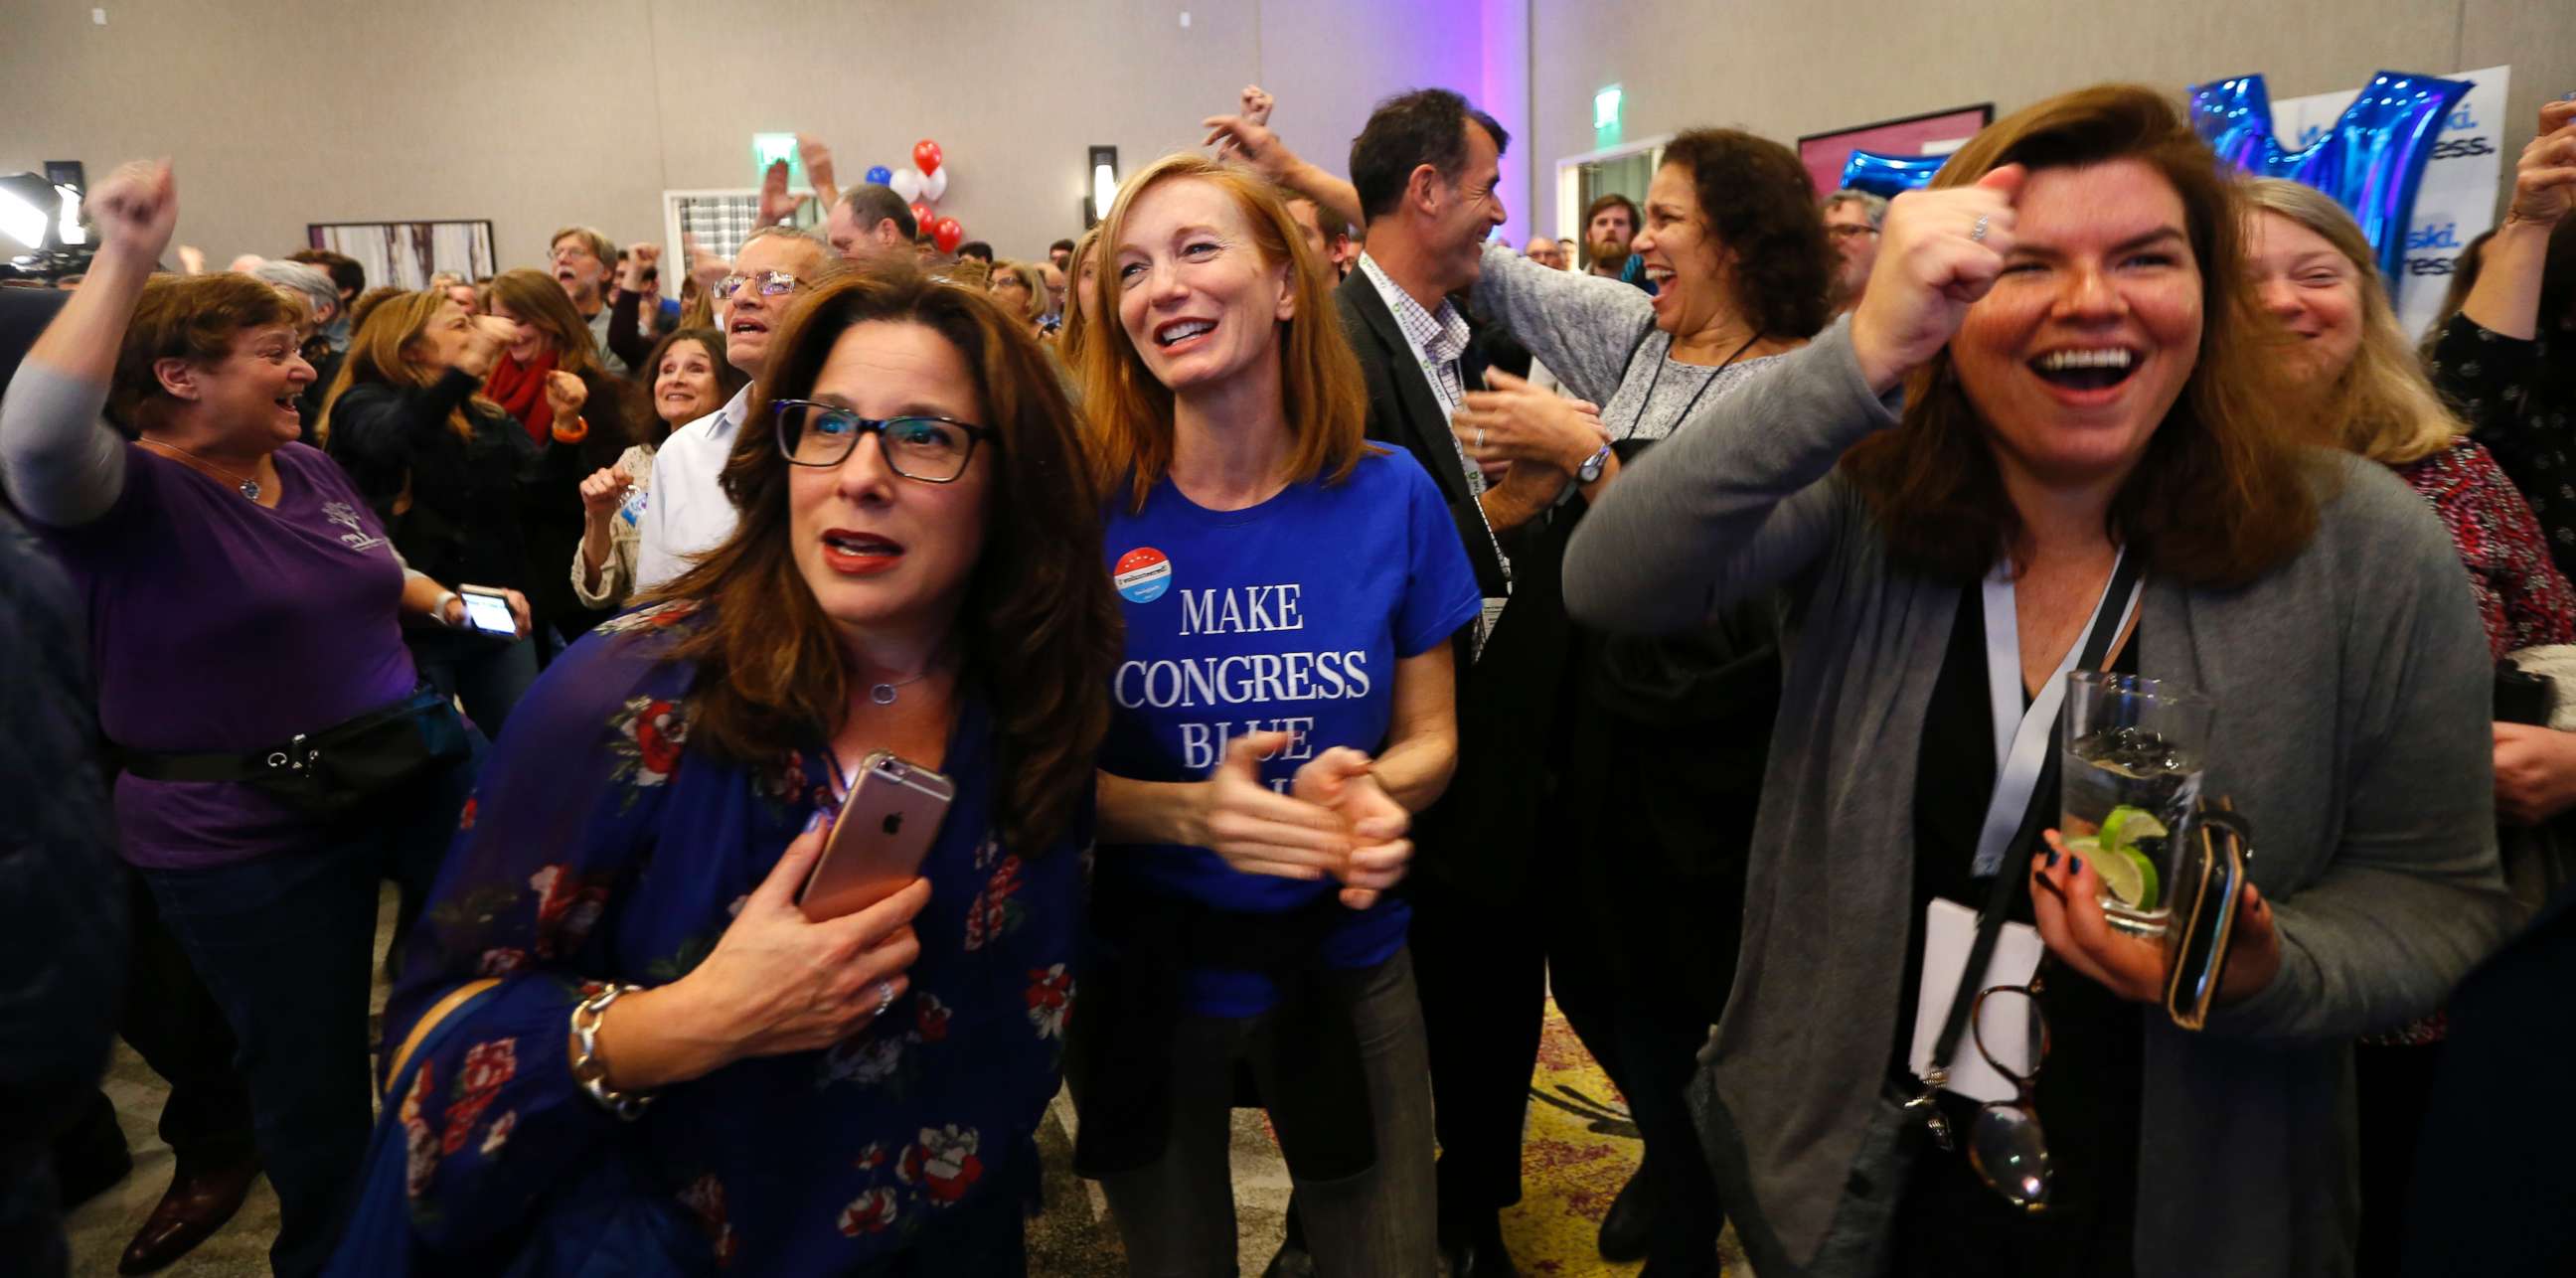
1176 1215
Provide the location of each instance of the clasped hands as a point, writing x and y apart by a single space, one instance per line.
1335 820
1514 424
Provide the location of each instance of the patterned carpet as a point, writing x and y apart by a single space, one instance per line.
1580 1148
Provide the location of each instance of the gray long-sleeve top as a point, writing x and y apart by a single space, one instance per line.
1599 337
2353 690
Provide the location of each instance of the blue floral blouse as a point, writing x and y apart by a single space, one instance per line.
600 848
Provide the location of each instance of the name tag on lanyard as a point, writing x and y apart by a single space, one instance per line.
2023 738
1492 613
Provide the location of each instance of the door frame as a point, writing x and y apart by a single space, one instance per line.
1569 176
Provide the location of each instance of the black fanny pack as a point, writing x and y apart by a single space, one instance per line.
331 772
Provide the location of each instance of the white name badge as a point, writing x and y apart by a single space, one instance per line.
1485 623
1949 932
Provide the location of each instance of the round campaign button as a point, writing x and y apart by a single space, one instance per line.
1143 574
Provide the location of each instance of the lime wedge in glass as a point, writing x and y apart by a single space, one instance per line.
2129 877
2126 825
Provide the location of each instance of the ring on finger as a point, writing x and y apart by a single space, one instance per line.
885 998
1480 437
1977 233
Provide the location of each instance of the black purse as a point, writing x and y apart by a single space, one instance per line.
332 772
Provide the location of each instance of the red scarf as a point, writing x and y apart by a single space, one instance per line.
521 388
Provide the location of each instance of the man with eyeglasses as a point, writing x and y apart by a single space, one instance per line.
1852 219
688 512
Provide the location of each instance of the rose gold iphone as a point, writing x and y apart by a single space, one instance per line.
885 829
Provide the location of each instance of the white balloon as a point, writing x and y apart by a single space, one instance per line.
935 183
907 183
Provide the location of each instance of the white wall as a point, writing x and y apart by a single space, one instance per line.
1788 69
538 113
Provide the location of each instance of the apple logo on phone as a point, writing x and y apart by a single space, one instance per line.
893 822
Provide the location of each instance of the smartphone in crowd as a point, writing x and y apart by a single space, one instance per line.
488 611
885 829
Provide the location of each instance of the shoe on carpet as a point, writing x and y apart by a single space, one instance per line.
1291 1262
1627 1228
1480 1255
199 1201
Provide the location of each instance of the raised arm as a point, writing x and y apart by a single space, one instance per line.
62 465
626 339
1739 499
2506 298
1247 137
1581 326
377 430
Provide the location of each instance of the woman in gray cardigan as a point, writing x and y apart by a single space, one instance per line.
2089 381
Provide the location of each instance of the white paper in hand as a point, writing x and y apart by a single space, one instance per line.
1949 932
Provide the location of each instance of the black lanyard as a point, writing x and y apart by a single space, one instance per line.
1657 379
2107 618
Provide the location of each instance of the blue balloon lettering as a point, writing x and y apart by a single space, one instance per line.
2371 161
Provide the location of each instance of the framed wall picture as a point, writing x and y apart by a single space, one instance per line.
406 254
1932 133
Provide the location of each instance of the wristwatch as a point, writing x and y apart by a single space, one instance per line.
1592 466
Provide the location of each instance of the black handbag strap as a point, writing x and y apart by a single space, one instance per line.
2034 819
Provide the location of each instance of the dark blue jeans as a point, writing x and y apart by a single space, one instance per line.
486 675
284 942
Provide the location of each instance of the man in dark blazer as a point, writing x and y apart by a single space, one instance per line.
1425 172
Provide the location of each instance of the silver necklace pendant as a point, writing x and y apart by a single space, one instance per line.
250 489
882 694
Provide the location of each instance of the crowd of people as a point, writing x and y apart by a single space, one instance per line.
1315 634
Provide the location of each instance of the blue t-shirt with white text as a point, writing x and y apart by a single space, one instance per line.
1286 616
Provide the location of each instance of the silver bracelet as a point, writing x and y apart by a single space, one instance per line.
591 1072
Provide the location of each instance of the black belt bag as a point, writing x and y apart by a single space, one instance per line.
331 772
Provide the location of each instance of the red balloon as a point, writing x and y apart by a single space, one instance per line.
925 156
922 217
947 234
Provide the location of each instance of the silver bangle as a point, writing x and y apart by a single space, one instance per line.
591 1072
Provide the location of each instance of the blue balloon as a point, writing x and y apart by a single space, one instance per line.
1890 175
880 175
2371 162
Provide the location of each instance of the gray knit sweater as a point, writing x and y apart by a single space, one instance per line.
2354 689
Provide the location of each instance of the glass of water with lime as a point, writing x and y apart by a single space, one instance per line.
2130 779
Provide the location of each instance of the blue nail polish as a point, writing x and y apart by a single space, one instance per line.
2052 858
2074 864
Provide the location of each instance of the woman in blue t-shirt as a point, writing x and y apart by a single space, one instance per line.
1285 704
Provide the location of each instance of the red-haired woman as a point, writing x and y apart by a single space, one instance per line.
1285 706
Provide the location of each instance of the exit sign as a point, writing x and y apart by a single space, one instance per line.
1605 109
769 148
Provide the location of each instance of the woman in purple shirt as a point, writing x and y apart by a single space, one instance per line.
242 600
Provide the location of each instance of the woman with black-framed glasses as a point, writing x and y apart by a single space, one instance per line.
676 1047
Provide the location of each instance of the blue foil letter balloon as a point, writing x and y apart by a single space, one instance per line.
2371 161
1890 175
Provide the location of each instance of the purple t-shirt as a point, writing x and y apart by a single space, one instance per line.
217 625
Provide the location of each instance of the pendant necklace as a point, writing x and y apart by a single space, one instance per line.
246 486
883 693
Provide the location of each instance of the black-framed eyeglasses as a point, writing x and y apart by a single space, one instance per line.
2006 1144
772 284
1850 231
934 450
